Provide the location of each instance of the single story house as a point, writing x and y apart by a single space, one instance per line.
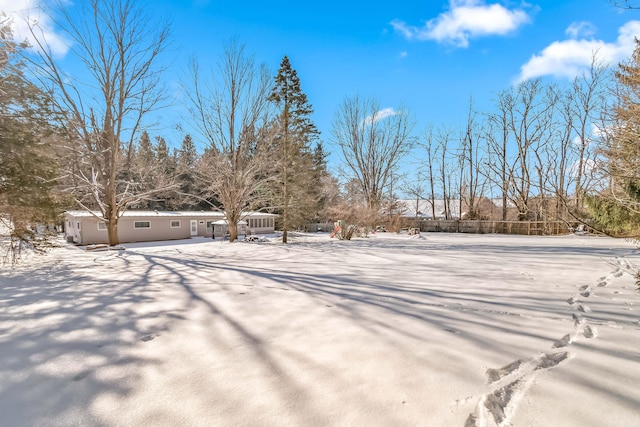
86 228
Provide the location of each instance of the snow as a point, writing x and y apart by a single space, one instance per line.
435 329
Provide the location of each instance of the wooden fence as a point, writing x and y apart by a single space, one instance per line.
527 228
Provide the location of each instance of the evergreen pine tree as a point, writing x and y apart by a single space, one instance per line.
186 161
294 194
27 165
617 209
144 166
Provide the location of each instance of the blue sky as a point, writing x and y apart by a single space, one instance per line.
429 56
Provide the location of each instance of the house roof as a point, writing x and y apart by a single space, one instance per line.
422 208
171 214
225 222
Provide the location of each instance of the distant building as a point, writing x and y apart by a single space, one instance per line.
422 209
86 228
486 209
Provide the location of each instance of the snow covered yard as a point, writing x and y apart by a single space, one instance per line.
430 330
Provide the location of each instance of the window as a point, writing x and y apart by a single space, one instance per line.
175 224
102 225
78 225
141 224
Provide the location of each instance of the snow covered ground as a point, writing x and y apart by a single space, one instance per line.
431 330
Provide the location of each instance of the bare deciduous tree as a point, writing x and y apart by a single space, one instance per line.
625 4
373 143
498 170
472 185
445 168
530 108
230 110
427 143
105 102
588 100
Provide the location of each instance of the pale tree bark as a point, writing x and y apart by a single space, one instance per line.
119 49
445 171
427 143
529 120
497 168
561 155
230 110
472 185
373 143
588 98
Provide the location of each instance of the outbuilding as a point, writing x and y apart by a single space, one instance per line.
87 228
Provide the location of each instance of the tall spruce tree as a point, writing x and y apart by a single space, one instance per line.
143 168
187 159
295 191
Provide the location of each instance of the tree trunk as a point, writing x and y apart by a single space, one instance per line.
112 231
232 219
233 231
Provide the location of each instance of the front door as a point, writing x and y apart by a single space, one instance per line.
194 227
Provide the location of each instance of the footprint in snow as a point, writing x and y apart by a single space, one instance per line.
496 374
498 400
550 360
584 308
577 319
589 332
562 342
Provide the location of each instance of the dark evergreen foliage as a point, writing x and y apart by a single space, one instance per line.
27 160
296 191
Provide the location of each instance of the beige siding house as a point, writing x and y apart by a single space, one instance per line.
85 228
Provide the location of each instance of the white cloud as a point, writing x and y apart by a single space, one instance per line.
568 58
466 19
404 54
379 115
19 11
580 29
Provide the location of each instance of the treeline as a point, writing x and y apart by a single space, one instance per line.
548 151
